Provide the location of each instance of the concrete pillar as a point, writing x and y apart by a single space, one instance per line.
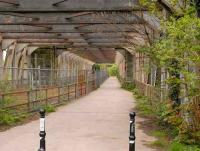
163 78
129 67
126 60
1 64
1 59
8 64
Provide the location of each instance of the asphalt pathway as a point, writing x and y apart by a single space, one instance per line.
96 122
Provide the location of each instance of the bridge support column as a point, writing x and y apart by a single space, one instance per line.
124 60
1 64
129 66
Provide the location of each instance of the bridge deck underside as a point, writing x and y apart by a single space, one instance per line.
89 28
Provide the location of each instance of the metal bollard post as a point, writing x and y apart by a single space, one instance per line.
42 133
132 132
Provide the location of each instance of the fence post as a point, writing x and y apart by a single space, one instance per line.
132 132
87 83
3 101
68 91
59 94
28 97
42 133
46 93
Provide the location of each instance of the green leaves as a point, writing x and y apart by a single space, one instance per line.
180 42
113 70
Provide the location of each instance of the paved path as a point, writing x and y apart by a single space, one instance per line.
97 122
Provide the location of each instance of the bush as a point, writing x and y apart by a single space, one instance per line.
128 86
7 100
169 118
5 86
6 118
49 108
144 106
113 70
176 146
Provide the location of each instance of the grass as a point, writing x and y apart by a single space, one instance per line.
8 119
128 86
158 144
176 146
162 140
50 108
158 134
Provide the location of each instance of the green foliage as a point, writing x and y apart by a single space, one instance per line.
176 146
159 134
113 70
178 51
178 8
96 67
173 146
7 118
5 86
168 117
49 108
144 107
159 144
181 43
6 100
162 141
128 86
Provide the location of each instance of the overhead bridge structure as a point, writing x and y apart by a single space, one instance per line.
93 29
54 51
55 43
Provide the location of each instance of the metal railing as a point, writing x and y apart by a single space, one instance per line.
33 99
37 77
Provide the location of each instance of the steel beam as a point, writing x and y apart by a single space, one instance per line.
7 18
70 6
67 36
30 49
66 28
1 61
93 45
104 41
43 40
6 43
64 31
20 46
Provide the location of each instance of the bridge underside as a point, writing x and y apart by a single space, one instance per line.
92 29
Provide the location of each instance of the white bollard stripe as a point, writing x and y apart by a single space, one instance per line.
132 142
42 124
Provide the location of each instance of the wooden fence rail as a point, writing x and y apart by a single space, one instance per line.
32 100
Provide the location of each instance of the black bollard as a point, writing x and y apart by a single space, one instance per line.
42 131
132 132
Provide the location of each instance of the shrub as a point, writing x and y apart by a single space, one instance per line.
5 86
49 108
128 86
176 146
6 118
168 117
113 70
